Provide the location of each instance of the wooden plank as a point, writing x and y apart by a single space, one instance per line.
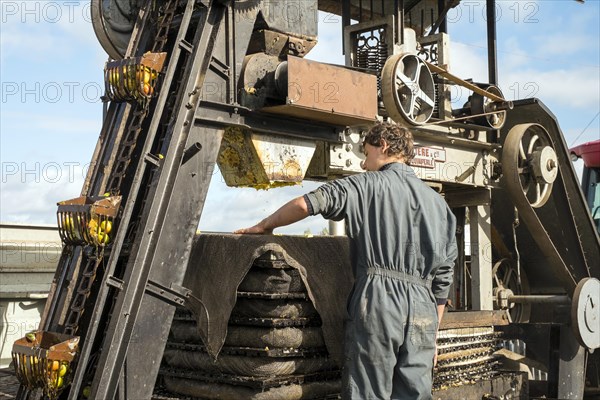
470 319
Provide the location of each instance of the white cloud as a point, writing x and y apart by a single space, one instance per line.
31 196
468 62
559 44
575 88
47 31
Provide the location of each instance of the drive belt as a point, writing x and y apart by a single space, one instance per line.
512 179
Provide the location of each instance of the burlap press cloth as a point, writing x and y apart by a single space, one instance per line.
219 262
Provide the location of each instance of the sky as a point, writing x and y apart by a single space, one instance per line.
51 82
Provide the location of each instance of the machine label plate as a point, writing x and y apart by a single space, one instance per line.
426 157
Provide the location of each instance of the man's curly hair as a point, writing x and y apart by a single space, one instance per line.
399 138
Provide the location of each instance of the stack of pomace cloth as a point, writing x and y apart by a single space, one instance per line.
271 324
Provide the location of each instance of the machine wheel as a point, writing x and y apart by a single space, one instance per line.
585 313
113 22
506 277
408 89
484 105
529 161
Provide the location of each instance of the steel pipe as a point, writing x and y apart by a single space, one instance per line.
540 299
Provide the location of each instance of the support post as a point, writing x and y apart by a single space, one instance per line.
491 41
571 367
337 228
481 258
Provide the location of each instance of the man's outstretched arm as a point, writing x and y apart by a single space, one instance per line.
293 211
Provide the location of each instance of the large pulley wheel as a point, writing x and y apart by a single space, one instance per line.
113 22
407 89
506 277
585 313
529 163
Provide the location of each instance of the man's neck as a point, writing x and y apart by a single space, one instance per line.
390 160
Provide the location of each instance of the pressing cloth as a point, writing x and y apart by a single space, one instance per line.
219 263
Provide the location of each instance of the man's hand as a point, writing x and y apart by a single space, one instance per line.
440 313
292 211
257 229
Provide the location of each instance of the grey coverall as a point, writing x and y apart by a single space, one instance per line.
402 247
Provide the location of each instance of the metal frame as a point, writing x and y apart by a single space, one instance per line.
167 196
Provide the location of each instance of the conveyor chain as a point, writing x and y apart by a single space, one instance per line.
116 177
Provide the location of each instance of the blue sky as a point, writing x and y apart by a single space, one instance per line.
51 80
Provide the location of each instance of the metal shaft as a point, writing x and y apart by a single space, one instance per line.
540 299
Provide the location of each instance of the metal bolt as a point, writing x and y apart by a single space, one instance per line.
348 163
348 147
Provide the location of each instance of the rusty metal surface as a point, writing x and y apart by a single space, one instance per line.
262 161
328 93
268 42
278 44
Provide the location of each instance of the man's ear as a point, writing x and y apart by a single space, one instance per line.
384 146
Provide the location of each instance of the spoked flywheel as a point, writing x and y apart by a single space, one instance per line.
507 278
529 162
408 90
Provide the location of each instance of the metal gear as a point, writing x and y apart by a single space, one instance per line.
408 89
244 5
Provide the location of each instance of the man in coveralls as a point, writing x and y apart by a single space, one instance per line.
402 247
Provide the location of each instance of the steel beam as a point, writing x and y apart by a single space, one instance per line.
128 303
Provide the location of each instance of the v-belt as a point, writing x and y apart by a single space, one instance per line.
401 276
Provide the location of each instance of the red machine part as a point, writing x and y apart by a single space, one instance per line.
590 152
